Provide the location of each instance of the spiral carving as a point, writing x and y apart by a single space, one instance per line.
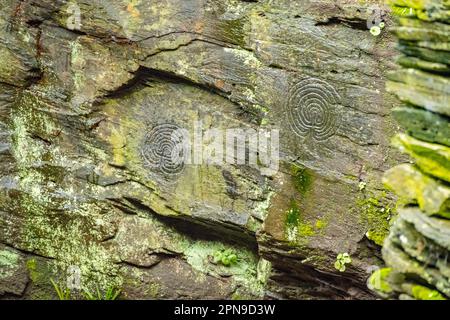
163 150
311 109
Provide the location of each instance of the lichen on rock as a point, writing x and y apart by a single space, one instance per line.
417 248
83 107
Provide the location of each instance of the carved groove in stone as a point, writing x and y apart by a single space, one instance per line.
311 109
162 149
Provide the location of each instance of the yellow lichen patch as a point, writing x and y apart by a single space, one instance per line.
118 142
376 213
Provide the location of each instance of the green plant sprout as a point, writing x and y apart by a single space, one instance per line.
362 185
341 260
225 257
375 30
63 294
110 294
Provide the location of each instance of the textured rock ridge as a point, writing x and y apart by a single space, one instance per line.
417 248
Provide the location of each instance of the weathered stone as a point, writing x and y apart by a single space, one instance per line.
420 89
416 30
78 183
425 80
141 243
417 248
435 229
427 10
433 159
13 274
424 125
413 62
174 279
412 186
393 256
18 50
82 68
411 49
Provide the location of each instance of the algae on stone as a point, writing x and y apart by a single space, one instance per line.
413 186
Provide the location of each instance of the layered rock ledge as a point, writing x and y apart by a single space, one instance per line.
416 251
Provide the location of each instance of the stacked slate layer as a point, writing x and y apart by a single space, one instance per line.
417 249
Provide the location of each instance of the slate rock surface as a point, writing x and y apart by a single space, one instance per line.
90 91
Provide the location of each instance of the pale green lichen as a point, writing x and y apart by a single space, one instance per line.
72 242
362 185
78 63
262 207
8 263
246 57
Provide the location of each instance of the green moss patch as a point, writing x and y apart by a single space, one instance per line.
302 179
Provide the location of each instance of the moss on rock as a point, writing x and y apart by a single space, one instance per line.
433 159
378 281
377 213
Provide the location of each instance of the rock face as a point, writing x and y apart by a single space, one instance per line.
416 251
92 94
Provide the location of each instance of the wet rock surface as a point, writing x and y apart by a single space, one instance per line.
91 90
